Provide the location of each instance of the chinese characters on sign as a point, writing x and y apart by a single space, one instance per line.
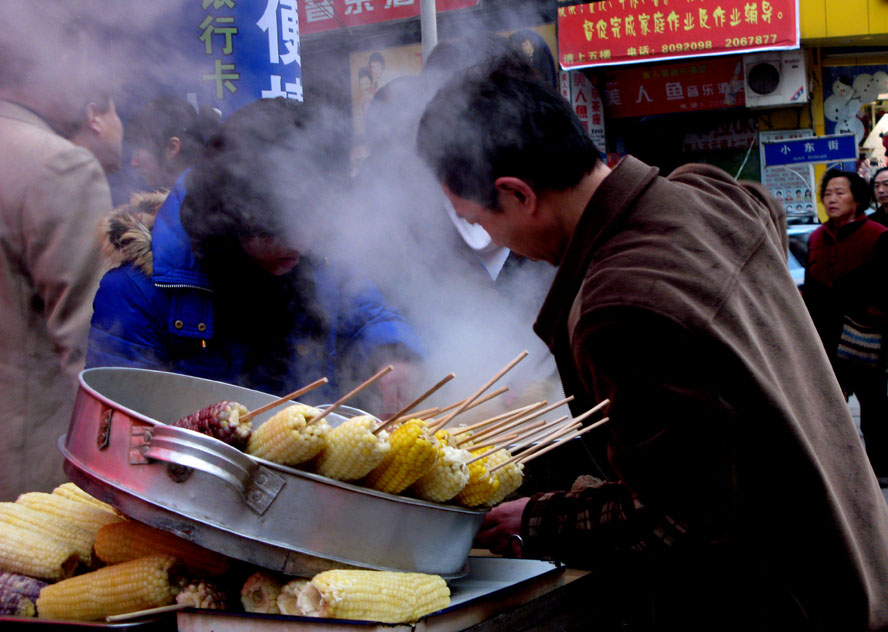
247 50
325 15
835 148
217 33
705 84
280 22
611 32
586 102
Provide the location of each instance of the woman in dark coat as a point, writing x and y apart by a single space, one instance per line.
846 296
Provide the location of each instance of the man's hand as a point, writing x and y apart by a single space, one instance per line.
397 387
500 526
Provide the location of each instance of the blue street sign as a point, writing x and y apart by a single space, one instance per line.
801 151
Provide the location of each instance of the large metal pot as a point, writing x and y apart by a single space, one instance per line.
119 448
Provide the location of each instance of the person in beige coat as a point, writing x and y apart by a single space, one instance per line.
53 196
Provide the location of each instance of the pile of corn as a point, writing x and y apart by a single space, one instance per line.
409 460
46 572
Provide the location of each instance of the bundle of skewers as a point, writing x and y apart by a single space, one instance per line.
419 454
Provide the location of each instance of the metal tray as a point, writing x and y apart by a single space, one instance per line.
119 449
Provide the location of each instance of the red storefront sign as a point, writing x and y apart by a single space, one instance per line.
631 31
325 15
702 84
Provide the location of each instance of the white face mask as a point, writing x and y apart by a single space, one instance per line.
492 256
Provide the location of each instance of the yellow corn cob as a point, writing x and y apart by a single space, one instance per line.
288 600
445 438
288 438
447 478
130 540
135 585
83 515
456 437
34 554
70 490
352 450
482 484
510 476
51 526
413 453
260 592
385 596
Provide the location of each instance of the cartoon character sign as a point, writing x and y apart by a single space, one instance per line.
852 87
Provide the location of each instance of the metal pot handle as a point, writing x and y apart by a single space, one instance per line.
257 485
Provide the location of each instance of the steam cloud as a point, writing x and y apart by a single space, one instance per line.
390 226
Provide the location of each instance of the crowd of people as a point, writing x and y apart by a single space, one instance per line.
734 490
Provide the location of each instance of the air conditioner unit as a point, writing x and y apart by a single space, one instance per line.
775 78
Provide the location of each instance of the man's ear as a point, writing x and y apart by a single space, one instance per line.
93 120
516 193
173 146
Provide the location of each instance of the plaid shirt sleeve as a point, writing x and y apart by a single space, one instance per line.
590 523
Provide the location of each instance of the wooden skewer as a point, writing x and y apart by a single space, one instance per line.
518 411
284 399
483 400
491 444
492 420
528 417
555 445
543 442
425 413
414 403
498 429
478 393
422 397
360 387
147 612
510 438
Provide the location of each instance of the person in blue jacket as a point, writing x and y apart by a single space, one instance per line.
213 281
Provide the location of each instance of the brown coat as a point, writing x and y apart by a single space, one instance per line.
673 299
52 197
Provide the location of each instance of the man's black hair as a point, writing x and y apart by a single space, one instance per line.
487 123
873 180
860 189
168 116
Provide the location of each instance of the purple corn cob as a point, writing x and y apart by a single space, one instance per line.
18 594
222 421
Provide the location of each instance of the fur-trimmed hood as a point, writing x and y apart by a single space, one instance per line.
126 231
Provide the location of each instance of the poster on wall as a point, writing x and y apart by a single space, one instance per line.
371 69
793 185
585 99
846 92
609 32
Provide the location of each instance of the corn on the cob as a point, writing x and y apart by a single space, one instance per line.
447 478
35 554
288 600
51 526
482 484
413 453
352 450
445 438
136 585
202 594
130 540
222 421
18 594
510 476
70 490
385 596
288 437
83 515
260 592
